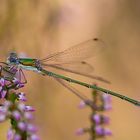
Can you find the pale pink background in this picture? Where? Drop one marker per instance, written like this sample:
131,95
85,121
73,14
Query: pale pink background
40,27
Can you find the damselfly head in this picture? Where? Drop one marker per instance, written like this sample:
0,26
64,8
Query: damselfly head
13,58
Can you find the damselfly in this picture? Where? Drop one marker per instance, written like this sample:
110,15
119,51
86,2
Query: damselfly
66,61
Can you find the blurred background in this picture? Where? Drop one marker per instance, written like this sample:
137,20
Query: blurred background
37,28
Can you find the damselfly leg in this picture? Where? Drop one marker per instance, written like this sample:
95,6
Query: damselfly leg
11,72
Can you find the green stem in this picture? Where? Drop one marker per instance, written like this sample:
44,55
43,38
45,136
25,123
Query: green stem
130,100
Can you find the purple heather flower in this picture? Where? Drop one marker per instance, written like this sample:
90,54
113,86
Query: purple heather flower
3,93
96,118
107,106
107,132
34,137
7,104
3,109
29,108
106,102
1,88
22,97
80,131
82,104
18,83
105,119
28,115
3,113
100,131
31,128
22,126
10,134
21,106
2,82
16,114
17,137
106,98
2,117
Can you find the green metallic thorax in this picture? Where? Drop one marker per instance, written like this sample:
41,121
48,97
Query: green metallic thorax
27,61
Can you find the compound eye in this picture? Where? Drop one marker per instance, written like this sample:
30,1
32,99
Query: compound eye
13,60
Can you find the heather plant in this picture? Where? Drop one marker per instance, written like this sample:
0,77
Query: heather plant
13,106
99,104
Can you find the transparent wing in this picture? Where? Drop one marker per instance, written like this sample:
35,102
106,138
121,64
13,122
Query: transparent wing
79,72
82,67
71,60
78,52
72,89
